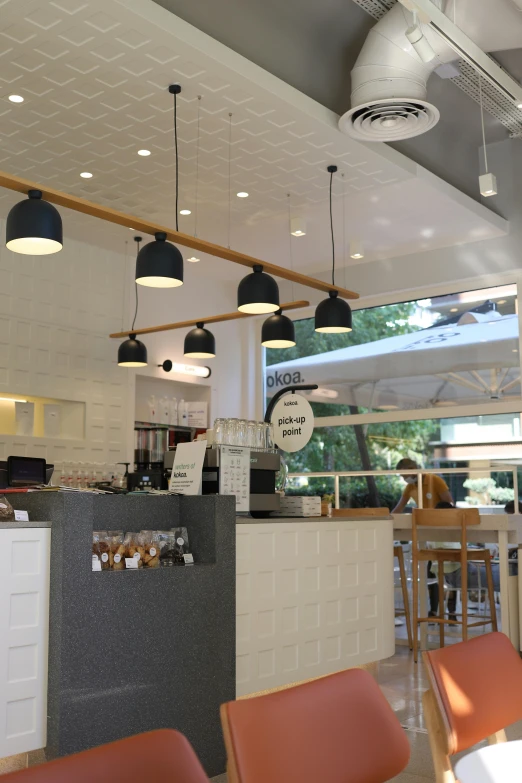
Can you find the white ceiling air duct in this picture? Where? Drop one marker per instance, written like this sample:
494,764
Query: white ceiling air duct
389,79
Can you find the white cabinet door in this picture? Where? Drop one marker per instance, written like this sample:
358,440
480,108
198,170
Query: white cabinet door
24,633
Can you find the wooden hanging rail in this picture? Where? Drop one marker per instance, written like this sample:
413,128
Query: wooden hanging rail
212,319
140,225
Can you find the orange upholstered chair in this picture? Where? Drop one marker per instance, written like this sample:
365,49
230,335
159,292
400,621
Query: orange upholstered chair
164,756
338,729
475,692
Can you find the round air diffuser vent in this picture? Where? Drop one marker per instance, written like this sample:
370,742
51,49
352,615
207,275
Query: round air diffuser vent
390,119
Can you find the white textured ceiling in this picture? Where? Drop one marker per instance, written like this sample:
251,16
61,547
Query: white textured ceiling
94,75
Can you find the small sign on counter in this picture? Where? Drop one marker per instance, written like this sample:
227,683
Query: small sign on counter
235,475
187,470
21,516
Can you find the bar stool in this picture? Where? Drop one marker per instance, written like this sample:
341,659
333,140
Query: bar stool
398,552
451,517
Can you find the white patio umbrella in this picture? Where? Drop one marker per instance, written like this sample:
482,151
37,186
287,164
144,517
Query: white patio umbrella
472,360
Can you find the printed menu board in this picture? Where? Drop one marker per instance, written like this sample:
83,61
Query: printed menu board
235,475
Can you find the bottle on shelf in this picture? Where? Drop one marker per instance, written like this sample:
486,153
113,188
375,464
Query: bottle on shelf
164,407
182,413
173,415
153,410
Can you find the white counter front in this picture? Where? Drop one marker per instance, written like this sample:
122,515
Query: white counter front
313,597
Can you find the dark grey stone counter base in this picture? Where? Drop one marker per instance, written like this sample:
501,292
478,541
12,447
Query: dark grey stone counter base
131,651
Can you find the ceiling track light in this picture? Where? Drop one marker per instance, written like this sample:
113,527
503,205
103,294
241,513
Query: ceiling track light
487,181
199,343
159,264
34,227
333,315
356,249
298,227
258,293
278,331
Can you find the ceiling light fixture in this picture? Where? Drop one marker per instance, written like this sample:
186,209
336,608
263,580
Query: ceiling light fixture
144,153
242,194
193,260
333,315
419,42
86,174
11,399
278,331
132,352
487,181
16,99
185,212
454,310
258,293
199,343
159,264
34,227
186,369
356,249
298,227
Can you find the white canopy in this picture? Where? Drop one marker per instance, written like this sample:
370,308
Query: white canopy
477,358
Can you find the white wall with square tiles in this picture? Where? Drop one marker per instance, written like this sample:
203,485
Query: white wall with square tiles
56,313
313,597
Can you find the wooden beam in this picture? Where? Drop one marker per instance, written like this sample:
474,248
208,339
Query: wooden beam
212,319
141,225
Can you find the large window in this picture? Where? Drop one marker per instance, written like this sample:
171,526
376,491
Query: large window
394,387
460,349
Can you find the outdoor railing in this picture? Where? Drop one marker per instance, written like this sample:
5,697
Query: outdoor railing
338,474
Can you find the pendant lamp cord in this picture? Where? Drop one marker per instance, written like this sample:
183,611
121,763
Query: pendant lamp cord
229,175
332,229
176,154
137,240
197,173
290,241
482,122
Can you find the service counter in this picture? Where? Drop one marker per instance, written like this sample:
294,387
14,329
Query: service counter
313,596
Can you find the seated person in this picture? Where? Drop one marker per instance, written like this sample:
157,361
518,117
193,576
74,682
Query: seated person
434,488
509,508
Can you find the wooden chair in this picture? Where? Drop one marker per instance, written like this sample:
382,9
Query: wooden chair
451,517
163,756
335,728
398,552
475,692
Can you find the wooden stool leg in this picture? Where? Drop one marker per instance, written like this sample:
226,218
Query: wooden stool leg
491,593
415,607
405,598
464,600
440,574
441,760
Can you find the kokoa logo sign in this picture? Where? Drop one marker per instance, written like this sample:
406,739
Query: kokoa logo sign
293,422
278,379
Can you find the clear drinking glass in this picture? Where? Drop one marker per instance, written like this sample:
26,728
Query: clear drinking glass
219,431
241,432
229,435
251,434
260,435
269,436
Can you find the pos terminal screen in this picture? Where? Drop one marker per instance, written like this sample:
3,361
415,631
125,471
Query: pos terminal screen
25,471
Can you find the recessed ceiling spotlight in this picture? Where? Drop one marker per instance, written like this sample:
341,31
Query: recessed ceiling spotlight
193,260
454,310
356,249
519,105
184,212
297,227
242,194
144,153
86,174
16,99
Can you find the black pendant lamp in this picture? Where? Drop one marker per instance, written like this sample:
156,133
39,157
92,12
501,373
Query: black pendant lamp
333,315
34,227
132,353
199,343
258,293
278,331
159,264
